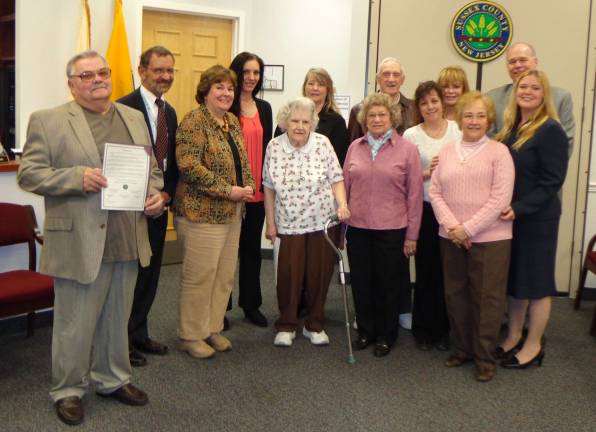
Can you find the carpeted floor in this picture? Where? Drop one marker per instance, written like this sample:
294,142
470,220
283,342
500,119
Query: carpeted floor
258,387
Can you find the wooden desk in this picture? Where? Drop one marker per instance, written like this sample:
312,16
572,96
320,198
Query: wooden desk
10,166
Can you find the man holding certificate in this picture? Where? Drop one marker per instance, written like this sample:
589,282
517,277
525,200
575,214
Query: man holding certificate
73,154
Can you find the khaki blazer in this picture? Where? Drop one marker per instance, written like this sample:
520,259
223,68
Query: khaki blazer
59,147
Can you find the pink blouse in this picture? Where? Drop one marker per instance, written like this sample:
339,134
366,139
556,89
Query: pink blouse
252,133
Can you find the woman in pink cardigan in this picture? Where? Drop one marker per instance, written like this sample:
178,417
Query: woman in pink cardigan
471,185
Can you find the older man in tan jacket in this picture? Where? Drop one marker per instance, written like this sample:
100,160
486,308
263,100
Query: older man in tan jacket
91,253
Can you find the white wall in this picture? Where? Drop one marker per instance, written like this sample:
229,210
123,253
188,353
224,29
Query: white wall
299,35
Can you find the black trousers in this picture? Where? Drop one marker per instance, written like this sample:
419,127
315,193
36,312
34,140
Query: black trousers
379,274
430,320
147,281
249,250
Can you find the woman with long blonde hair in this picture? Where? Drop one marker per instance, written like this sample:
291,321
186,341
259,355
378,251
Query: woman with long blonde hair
539,149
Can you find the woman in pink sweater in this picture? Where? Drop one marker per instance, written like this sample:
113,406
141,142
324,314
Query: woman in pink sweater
471,185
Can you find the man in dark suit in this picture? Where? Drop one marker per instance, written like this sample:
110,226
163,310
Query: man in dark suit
156,70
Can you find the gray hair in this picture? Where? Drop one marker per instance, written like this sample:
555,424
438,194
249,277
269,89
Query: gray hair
526,44
298,104
390,60
70,66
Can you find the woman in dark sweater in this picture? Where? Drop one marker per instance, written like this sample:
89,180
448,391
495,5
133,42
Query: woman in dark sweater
318,87
256,122
539,148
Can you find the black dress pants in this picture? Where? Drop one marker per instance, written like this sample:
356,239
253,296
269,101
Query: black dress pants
430,320
379,274
147,281
249,250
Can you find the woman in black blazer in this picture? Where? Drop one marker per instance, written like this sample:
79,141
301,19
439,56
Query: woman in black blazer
539,148
256,122
318,87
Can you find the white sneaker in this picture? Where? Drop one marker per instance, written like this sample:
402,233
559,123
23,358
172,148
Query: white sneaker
284,339
405,321
319,338
355,324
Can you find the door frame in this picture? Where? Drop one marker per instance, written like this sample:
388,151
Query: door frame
237,17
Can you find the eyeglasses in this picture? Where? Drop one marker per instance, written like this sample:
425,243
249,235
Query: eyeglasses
87,76
381,115
162,71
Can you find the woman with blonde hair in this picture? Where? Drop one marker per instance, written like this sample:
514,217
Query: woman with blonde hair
318,87
454,83
538,145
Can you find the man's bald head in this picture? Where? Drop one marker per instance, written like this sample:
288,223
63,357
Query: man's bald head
521,56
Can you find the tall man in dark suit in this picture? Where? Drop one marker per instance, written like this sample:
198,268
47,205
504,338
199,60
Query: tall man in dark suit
156,70
91,253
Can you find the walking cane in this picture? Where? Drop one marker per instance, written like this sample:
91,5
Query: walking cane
342,279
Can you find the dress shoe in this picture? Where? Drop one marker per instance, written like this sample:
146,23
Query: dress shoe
70,410
362,342
226,325
219,343
149,346
443,344
513,363
456,360
128,394
136,358
382,348
256,317
424,344
485,372
501,354
197,349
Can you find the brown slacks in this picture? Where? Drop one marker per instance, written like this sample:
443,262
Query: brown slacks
305,260
475,293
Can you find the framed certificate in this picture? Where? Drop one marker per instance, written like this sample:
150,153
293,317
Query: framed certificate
273,77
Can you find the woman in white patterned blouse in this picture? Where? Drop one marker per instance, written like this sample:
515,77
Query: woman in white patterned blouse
304,187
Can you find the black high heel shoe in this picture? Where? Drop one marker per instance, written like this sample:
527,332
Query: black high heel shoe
513,362
501,354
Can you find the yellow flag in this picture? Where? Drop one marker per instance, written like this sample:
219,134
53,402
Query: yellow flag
118,56
84,39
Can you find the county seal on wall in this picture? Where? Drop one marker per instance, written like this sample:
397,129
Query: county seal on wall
481,31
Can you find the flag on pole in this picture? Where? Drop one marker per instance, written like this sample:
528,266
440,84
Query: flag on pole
84,39
118,56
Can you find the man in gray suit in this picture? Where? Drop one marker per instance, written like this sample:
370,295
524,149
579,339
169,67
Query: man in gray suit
91,253
521,57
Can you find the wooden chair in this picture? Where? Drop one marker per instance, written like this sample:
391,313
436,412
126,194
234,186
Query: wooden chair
23,291
589,265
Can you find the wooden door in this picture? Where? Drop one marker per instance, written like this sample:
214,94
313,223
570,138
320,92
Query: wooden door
197,42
